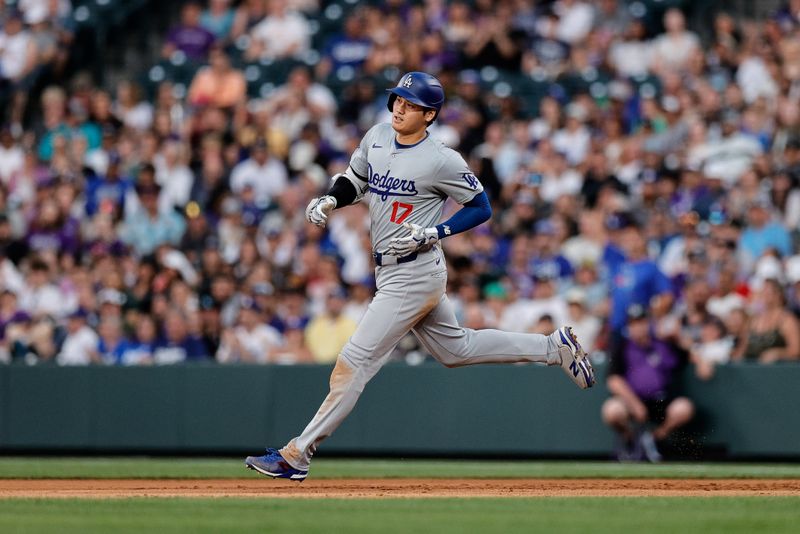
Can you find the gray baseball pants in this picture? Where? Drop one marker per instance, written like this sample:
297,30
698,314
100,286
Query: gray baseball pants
410,296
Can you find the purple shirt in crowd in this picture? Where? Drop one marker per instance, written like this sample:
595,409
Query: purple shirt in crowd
649,369
65,238
194,41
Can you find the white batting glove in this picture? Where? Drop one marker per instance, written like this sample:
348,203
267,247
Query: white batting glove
420,238
318,210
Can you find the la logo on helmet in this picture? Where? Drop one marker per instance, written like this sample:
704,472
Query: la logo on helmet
408,81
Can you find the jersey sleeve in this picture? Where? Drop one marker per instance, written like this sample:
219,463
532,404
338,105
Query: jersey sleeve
358,161
456,180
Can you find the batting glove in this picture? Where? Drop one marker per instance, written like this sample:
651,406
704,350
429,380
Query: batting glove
318,210
420,238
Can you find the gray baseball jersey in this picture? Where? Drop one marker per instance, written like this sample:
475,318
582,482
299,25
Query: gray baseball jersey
408,183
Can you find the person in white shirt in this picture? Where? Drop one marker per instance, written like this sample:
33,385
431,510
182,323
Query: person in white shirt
134,112
251,341
574,139
40,297
173,175
729,157
10,277
714,348
17,50
673,50
12,157
523,314
265,174
631,54
575,19
282,33
80,345
560,180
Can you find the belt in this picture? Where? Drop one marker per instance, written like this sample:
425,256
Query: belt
385,259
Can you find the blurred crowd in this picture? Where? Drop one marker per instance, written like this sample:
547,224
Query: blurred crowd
635,171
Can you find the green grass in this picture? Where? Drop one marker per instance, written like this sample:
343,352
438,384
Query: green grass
26,467
595,515
598,515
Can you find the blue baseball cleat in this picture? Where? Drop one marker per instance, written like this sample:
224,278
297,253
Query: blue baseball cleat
274,465
573,358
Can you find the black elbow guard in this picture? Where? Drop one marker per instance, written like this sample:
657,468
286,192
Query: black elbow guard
343,191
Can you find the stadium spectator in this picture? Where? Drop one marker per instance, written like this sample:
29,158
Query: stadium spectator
585,325
40,297
636,280
714,348
641,379
762,233
218,18
18,59
140,350
148,227
294,349
773,333
348,49
673,50
261,172
573,114
247,16
251,341
495,41
630,54
177,344
316,98
189,37
81,342
173,175
327,333
134,112
219,84
112,342
108,191
283,33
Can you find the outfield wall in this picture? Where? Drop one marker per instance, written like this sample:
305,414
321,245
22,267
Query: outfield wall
745,411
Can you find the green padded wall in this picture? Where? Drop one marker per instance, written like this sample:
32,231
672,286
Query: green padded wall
746,410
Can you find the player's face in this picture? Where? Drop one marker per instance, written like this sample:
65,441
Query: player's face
408,118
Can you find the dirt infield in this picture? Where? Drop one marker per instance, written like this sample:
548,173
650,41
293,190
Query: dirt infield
396,488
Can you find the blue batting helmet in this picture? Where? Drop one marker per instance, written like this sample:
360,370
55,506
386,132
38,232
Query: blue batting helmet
419,88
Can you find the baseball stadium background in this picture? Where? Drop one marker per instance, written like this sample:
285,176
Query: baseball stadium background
165,309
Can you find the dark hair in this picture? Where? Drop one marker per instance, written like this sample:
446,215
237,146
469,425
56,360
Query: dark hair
39,265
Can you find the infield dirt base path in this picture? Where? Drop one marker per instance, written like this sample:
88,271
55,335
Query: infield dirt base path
395,488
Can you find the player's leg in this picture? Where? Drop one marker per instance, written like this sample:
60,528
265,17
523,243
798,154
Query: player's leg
455,346
403,298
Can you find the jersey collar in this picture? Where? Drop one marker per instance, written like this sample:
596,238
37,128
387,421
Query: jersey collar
401,146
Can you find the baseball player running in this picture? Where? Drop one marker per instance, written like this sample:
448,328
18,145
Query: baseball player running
409,176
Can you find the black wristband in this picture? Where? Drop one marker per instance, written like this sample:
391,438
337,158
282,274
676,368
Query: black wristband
343,191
